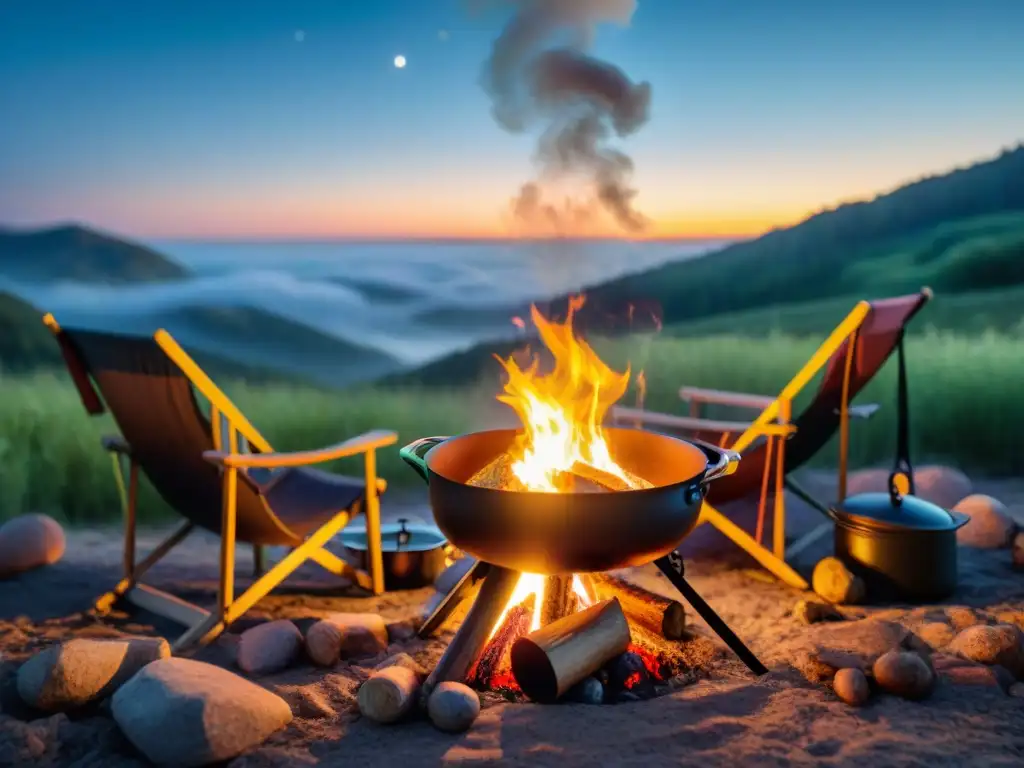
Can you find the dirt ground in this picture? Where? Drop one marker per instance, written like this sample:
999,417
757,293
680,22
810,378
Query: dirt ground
727,717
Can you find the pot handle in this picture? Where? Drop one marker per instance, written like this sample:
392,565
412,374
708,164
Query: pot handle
721,462
414,454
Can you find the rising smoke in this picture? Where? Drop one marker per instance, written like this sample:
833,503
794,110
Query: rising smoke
539,73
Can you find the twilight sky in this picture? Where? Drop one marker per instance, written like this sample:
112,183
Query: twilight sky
287,118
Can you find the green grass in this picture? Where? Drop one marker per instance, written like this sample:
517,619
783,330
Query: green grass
965,401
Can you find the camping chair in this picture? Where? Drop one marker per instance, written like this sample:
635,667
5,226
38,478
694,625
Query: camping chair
776,444
219,473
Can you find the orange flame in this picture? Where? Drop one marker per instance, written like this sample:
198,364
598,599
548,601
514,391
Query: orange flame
562,412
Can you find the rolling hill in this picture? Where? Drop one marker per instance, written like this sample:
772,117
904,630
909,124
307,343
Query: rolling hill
72,252
961,233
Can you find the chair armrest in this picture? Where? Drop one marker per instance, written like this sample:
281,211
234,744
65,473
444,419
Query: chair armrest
693,424
363,443
720,397
115,444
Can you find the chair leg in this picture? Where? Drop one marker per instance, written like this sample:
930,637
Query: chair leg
776,565
106,602
372,504
257,561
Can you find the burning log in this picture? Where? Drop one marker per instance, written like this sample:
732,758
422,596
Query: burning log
653,612
553,659
559,599
497,655
389,694
582,478
469,641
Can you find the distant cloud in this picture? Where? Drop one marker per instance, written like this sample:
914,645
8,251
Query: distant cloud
300,35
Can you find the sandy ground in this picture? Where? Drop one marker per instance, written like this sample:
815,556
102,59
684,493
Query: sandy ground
728,717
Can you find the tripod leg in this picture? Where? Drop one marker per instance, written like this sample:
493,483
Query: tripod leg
672,566
452,599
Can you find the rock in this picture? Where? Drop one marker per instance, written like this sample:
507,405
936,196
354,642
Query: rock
268,648
82,671
834,582
400,631
849,644
943,486
453,707
957,671
29,541
936,634
1016,690
627,672
1017,555
904,674
962,617
403,660
346,635
998,644
851,685
188,713
990,527
813,611
451,575
587,691
1016,618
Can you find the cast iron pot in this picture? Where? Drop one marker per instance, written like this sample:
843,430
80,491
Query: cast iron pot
902,546
414,555
553,533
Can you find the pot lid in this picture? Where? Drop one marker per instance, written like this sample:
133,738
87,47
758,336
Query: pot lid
401,536
884,510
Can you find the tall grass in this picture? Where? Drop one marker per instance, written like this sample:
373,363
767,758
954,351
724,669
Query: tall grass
966,402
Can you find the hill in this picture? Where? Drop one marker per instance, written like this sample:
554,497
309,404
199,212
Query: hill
259,338
25,343
75,253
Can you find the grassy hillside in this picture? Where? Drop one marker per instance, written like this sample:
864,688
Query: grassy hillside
75,253
25,343
50,457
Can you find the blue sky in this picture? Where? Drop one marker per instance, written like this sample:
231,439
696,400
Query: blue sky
213,118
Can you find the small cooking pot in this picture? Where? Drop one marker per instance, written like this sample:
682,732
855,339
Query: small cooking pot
414,555
903,547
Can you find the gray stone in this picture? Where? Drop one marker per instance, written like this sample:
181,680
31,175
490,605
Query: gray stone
998,644
904,674
453,707
990,527
587,691
268,648
944,486
81,671
851,686
29,541
187,713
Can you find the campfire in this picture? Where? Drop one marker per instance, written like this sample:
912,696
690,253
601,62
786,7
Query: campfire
550,508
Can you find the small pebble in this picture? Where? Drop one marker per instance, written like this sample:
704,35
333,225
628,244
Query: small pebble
1016,690
998,644
851,685
904,674
833,581
1017,554
452,707
587,691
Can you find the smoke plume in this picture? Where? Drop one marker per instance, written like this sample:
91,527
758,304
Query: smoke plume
540,73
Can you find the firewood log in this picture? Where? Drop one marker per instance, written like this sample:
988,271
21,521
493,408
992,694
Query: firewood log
389,694
654,612
550,661
341,635
465,648
559,599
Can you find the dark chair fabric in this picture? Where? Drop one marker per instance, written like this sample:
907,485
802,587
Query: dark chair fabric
155,407
878,337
